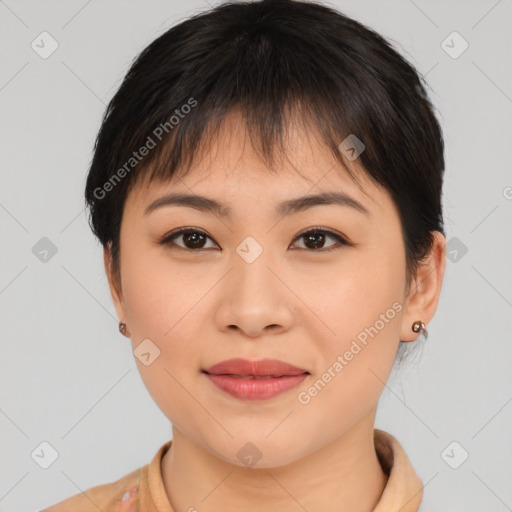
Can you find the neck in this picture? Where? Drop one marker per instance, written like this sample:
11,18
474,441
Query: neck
345,475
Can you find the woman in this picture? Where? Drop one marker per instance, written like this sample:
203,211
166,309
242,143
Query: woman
267,187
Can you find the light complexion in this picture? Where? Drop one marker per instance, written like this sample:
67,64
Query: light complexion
297,302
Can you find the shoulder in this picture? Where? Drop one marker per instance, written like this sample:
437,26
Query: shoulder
118,496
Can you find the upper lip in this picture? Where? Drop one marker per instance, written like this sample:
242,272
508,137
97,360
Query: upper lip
263,367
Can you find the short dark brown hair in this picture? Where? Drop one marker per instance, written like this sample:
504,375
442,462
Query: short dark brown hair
271,59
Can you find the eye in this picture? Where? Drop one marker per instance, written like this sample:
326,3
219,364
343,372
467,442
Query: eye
316,237
192,236
194,239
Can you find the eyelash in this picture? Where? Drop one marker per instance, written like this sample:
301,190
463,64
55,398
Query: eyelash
168,239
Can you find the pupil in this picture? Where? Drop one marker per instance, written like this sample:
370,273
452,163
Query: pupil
195,236
320,239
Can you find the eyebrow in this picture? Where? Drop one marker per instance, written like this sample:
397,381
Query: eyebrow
287,207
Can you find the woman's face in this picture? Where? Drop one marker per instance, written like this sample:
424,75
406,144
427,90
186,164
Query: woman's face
255,287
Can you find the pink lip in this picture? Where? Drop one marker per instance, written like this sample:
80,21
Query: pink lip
236,377
263,367
248,388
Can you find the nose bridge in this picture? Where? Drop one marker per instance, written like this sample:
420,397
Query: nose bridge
252,264
256,298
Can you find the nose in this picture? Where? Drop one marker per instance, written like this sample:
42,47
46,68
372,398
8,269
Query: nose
255,299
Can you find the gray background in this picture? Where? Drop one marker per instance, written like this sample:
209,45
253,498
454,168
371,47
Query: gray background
69,378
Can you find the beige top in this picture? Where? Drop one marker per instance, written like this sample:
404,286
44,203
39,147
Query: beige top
143,489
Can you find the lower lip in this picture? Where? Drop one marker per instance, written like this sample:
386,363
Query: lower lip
256,389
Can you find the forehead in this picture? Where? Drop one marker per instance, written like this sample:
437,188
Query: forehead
231,166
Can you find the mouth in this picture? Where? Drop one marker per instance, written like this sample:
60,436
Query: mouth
252,388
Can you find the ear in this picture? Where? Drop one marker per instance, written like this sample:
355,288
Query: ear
114,285
421,303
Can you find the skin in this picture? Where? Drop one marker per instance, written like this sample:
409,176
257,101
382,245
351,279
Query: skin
295,302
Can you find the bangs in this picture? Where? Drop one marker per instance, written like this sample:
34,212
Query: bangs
176,152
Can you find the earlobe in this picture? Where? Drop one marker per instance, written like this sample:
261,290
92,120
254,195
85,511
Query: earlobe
421,304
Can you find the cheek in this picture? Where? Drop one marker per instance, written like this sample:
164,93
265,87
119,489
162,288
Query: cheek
354,295
166,303
362,310
160,294
163,303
